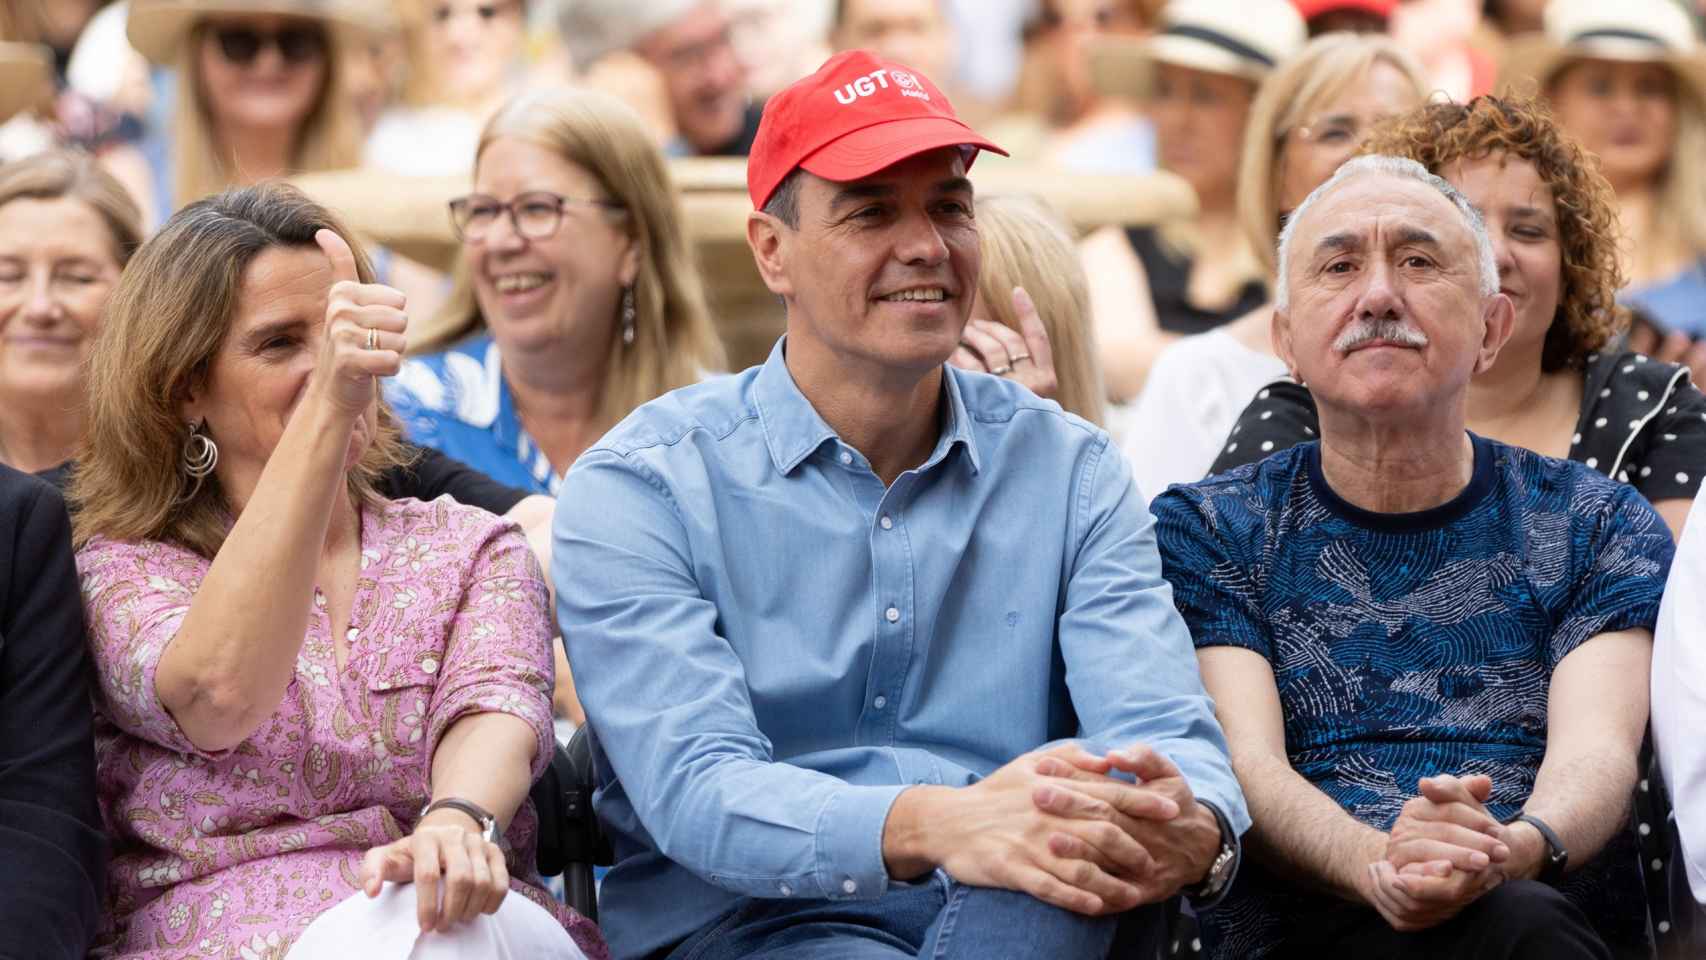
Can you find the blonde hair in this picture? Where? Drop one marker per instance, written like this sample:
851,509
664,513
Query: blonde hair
1679,223
329,138
674,342
74,175
1026,245
1323,69
164,327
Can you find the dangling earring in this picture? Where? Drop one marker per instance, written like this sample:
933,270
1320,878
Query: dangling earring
628,316
200,456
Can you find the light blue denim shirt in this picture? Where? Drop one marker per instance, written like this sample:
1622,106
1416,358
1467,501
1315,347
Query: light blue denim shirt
770,646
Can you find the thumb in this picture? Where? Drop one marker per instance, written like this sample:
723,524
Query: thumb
337,250
392,862
1480,786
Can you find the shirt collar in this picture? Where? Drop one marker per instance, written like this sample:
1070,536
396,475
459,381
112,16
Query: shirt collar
793,430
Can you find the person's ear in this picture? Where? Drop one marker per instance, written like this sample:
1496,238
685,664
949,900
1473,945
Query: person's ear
628,269
770,241
1279,334
1498,322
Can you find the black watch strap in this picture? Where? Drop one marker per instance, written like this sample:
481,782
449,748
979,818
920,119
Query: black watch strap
1224,867
488,824
1557,858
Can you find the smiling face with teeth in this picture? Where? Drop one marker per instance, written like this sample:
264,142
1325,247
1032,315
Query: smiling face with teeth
556,296
880,273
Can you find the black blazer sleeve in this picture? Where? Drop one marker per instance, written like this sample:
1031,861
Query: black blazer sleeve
432,474
52,848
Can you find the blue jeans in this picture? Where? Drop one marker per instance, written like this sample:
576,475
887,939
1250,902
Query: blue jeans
936,919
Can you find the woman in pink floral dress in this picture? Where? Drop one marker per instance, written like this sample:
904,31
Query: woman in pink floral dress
292,667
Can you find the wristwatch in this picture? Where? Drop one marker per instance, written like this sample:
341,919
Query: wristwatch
1224,867
1557,858
488,823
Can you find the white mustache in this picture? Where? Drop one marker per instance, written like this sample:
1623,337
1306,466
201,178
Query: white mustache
1368,330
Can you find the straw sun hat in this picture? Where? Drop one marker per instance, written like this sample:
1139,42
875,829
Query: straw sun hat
1634,31
158,28
1242,38
26,77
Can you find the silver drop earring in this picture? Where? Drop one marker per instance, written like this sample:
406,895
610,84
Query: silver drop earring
628,316
200,456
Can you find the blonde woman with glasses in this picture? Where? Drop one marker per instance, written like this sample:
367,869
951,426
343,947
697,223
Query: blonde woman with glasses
575,301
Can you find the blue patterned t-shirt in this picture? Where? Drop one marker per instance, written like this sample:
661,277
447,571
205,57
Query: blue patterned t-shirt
1408,645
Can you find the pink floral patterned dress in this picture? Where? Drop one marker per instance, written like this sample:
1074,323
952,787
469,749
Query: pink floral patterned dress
232,854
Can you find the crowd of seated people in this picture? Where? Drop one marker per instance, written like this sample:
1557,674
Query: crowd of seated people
969,621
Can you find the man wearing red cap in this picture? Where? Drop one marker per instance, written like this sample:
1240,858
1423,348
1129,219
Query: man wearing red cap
877,651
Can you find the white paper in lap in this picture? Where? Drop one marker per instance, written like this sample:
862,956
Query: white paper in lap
385,928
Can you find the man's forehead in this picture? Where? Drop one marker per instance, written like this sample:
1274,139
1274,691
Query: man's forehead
1376,202
933,167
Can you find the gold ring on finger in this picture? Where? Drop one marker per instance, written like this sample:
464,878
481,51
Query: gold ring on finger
1015,358
1002,370
372,339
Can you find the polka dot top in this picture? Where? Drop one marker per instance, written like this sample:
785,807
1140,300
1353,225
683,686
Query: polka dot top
1642,422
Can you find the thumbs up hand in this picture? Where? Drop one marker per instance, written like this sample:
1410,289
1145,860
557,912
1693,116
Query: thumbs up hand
365,332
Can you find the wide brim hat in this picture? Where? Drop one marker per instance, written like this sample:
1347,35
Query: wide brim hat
26,77
1240,38
1632,31
158,28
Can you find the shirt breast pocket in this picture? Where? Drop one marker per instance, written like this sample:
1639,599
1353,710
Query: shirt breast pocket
399,697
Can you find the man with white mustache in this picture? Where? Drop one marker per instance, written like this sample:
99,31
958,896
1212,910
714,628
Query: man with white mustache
1429,650
875,648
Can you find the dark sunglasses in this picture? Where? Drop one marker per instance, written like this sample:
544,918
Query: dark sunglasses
296,45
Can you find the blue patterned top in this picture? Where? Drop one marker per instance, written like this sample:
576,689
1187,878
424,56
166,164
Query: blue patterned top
1406,645
458,402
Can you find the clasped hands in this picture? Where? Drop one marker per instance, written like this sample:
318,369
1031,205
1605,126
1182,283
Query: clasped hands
1057,825
1443,852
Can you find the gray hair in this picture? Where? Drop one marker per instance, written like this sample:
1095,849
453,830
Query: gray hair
1487,266
593,28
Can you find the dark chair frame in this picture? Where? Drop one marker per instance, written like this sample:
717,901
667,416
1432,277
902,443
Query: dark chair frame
571,842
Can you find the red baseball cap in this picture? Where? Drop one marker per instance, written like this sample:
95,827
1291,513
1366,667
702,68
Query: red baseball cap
856,115
1310,9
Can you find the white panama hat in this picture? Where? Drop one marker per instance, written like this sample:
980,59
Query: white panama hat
158,28
1240,38
1632,31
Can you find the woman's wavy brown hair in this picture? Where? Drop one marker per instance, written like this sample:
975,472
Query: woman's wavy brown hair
1439,134
165,324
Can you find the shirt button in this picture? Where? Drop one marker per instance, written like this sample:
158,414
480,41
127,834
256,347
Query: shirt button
785,890
886,522
351,634
846,457
892,614
880,702
849,887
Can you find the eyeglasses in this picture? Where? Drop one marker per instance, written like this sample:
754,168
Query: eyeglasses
1338,130
296,45
535,215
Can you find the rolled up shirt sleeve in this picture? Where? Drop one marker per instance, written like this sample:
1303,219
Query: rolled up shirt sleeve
136,596
667,697
498,658
1130,662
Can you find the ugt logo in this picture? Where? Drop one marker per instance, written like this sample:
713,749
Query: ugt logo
869,84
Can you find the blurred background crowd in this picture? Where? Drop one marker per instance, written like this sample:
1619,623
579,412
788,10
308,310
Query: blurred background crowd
1164,141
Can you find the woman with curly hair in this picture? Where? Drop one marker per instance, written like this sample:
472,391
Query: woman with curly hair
1563,385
